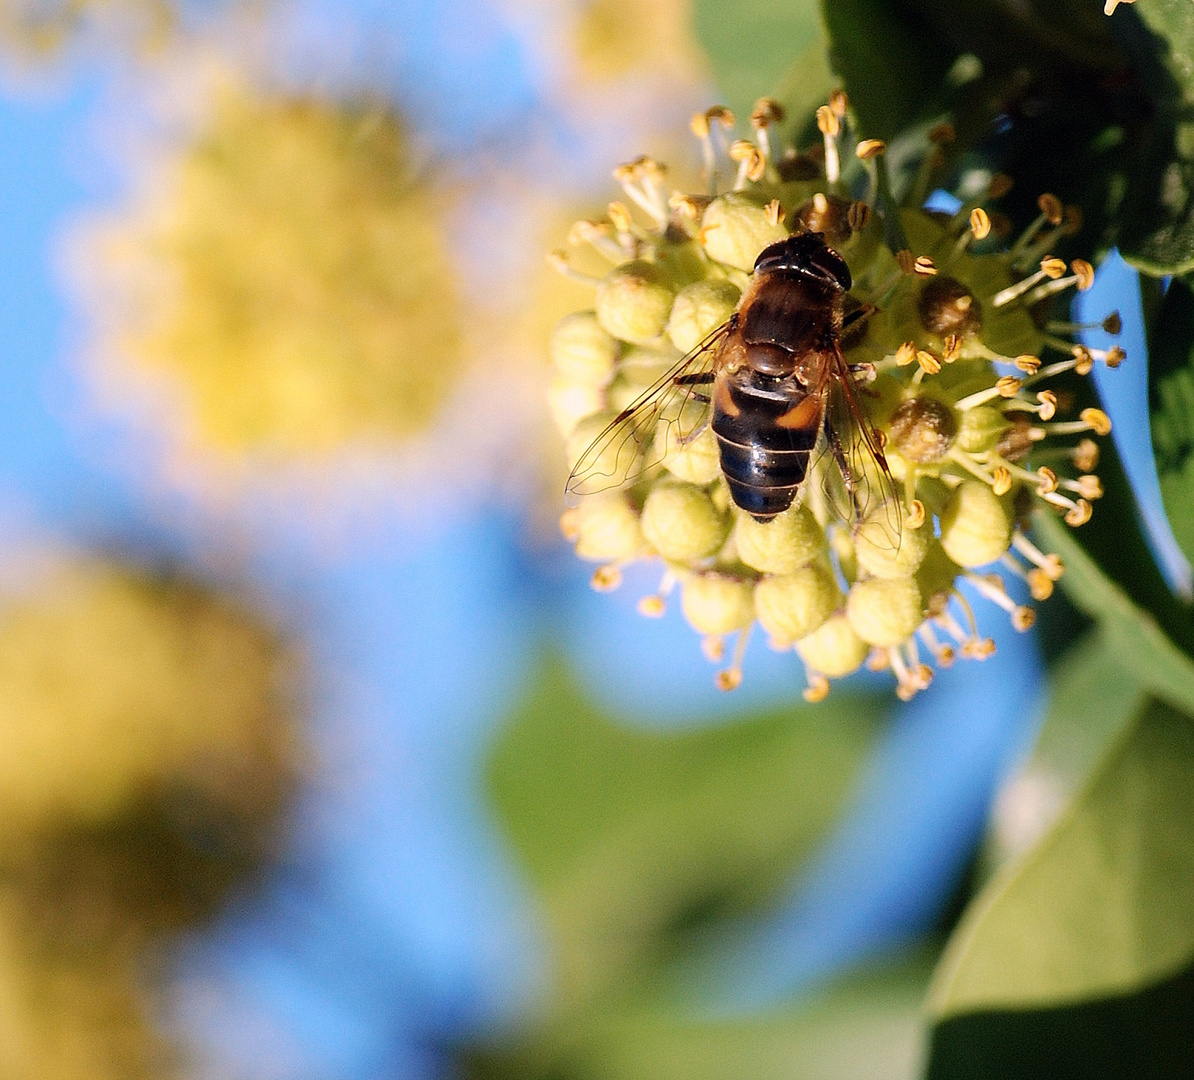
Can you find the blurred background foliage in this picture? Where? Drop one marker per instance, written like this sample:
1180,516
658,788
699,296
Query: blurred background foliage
403,798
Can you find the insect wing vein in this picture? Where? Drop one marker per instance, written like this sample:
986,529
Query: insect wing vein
666,417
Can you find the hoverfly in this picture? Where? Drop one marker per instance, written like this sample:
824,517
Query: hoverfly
775,387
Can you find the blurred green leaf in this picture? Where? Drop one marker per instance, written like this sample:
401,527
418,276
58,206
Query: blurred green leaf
891,61
1140,643
751,46
1102,905
637,837
867,1025
1171,406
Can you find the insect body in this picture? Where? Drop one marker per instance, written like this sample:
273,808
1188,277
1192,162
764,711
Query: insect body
775,383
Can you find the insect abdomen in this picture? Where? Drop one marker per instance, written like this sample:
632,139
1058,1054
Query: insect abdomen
763,460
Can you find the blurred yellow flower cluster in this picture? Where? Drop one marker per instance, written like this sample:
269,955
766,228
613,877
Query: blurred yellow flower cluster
149,748
295,278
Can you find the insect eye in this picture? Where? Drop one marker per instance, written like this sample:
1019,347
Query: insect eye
807,254
831,267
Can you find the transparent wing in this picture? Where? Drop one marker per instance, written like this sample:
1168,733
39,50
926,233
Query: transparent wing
855,476
663,419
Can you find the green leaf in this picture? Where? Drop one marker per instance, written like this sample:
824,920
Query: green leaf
1171,407
1158,210
751,46
1144,648
1103,905
635,836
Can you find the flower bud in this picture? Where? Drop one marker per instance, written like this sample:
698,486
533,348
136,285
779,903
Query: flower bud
607,528
980,429
975,529
888,551
833,649
681,522
634,301
582,351
781,545
571,402
947,307
616,459
885,611
697,463
717,603
792,606
736,228
923,429
699,309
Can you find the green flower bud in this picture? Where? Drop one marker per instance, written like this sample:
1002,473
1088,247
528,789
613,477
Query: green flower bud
634,301
889,552
736,228
975,529
717,603
700,309
582,351
885,611
792,606
781,545
613,465
936,574
833,649
681,522
980,429
607,528
698,462
571,402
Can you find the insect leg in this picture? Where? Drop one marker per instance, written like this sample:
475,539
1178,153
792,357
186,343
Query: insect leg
695,378
843,464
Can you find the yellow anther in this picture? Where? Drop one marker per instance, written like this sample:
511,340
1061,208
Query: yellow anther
1090,486
1028,363
570,525
905,354
929,364
980,223
1099,421
1052,209
1086,455
1048,401
1052,267
730,679
1040,585
1083,361
1008,386
1115,356
1084,272
652,607
1002,478
766,111
606,578
1048,483
619,215
924,266
774,212
916,514
827,121
857,216
1079,514
817,689
1022,618
839,103
952,348
713,647
870,148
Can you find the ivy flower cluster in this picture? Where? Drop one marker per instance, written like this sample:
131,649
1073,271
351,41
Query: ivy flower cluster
957,363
